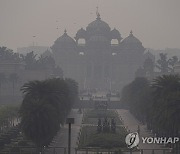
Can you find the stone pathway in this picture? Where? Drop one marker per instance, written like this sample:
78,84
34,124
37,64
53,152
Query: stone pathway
131,123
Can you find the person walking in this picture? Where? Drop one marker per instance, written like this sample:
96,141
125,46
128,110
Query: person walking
138,129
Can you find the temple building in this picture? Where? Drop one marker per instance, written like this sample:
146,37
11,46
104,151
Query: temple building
98,57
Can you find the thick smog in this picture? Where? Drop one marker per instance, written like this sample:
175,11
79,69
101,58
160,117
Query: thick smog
89,77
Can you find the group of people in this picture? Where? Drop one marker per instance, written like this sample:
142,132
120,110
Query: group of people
101,105
106,126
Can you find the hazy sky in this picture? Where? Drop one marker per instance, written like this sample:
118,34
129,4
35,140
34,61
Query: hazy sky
155,22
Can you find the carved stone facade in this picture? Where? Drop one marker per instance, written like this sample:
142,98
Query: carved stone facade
98,57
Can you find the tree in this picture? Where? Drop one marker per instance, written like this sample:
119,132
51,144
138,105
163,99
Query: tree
166,92
54,90
29,59
2,80
13,78
39,121
163,63
45,106
166,65
40,63
172,62
73,90
8,55
45,62
137,97
149,66
158,102
147,70
162,85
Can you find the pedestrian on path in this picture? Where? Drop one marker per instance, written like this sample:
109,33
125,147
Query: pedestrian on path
138,130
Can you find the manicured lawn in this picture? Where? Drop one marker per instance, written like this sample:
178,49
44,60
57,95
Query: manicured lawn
90,138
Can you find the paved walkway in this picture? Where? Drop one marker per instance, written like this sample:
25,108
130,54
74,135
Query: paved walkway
132,125
61,140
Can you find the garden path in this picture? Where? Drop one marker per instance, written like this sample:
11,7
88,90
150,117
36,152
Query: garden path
131,123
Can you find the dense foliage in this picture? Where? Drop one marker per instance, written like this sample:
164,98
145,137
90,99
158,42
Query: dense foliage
31,60
34,63
137,97
164,64
8,55
157,103
45,106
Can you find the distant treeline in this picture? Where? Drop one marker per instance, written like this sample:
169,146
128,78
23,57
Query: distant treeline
31,61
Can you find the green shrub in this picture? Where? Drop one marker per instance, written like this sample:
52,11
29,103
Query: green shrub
90,138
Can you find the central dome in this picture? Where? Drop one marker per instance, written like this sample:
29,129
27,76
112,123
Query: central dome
98,25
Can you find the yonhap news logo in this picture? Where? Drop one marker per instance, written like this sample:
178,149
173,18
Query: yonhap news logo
160,140
132,140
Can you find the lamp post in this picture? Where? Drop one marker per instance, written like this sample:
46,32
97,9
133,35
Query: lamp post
69,121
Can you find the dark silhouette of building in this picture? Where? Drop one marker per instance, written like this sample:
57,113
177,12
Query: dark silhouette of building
98,57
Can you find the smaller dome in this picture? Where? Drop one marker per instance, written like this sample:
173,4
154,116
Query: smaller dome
115,34
81,33
131,39
65,41
132,43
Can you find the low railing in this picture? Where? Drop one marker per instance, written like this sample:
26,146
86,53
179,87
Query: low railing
128,151
64,150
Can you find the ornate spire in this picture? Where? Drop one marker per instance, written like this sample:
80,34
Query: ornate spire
65,32
131,33
97,13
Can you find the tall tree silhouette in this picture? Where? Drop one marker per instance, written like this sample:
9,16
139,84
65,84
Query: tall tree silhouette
163,63
45,106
